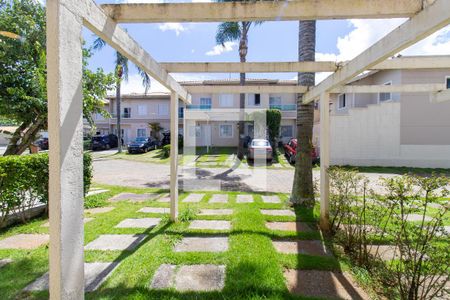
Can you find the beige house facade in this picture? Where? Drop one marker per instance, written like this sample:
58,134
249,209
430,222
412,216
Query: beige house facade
391,129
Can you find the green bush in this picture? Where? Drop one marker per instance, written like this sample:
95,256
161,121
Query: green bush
166,151
24,182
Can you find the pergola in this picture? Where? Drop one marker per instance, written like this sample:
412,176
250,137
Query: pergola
65,20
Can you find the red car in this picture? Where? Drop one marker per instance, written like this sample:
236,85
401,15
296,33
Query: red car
290,151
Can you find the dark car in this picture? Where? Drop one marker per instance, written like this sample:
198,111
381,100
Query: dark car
143,144
43,143
166,138
104,142
290,151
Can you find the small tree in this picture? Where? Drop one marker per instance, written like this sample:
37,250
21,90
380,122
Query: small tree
155,128
273,119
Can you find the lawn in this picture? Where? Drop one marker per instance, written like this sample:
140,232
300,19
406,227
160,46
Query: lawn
254,270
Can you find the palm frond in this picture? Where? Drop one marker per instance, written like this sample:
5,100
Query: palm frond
227,32
98,44
146,82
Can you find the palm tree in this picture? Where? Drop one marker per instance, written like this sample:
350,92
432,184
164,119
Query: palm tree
122,73
233,31
303,189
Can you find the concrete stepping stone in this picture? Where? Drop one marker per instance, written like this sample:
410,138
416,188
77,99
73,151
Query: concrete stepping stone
271,199
314,247
215,212
197,278
193,198
323,284
210,225
278,212
202,244
164,199
85,220
99,210
24,241
244,199
94,275
107,242
132,197
155,210
417,218
289,226
4,262
219,198
139,223
384,252
96,192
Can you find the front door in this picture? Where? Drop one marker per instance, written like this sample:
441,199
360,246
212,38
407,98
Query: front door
205,135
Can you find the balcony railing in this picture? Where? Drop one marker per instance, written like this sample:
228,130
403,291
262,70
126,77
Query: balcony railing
284,107
123,116
199,107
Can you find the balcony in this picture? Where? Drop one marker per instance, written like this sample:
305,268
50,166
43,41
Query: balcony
199,107
284,107
123,116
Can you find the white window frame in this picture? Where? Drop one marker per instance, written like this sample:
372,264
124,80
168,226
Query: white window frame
447,78
162,112
226,136
250,99
145,132
390,94
142,110
339,107
227,101
206,99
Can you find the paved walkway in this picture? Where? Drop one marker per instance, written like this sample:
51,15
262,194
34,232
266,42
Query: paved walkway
140,174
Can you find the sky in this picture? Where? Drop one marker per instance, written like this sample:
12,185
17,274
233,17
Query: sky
336,40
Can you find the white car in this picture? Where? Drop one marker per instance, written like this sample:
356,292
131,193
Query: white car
260,149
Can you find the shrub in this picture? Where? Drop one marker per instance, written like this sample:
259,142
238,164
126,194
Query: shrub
166,151
24,182
187,214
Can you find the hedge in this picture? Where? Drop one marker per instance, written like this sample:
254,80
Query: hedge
24,182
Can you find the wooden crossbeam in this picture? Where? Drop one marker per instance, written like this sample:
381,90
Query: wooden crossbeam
106,28
429,20
262,10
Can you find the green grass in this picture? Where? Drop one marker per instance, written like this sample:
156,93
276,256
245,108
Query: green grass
399,170
254,270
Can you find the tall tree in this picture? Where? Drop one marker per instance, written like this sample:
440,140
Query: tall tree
233,31
303,189
121,74
23,91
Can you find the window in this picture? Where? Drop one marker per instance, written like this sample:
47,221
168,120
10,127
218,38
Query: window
205,103
163,109
180,112
226,131
194,131
141,132
286,131
226,100
447,82
342,101
127,112
257,99
385,96
253,99
275,102
142,110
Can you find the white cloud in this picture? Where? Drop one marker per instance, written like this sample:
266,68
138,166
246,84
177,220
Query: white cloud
219,49
367,32
177,27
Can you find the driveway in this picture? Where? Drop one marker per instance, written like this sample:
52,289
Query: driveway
140,174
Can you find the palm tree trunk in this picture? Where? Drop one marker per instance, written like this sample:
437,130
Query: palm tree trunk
118,111
303,189
243,48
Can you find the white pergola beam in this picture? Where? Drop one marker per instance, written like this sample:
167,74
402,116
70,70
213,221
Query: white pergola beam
429,20
65,127
173,156
262,10
405,63
106,28
402,88
324,161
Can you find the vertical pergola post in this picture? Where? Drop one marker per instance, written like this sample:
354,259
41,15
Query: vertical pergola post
65,127
324,161
174,156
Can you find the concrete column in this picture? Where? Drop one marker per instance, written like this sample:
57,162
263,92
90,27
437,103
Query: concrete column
174,156
65,127
324,161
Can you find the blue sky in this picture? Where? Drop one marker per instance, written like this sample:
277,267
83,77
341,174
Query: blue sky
337,40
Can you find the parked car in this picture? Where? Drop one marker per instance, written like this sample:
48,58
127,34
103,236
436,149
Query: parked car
143,144
166,138
42,143
260,148
104,142
290,151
